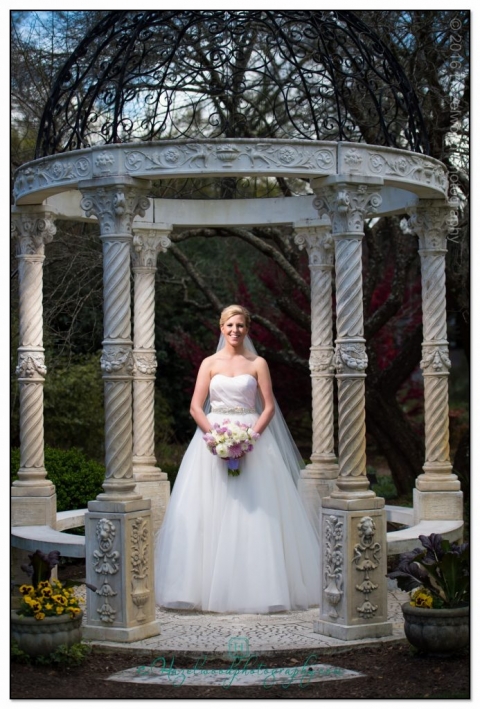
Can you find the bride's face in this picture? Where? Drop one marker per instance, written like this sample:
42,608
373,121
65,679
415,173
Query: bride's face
234,330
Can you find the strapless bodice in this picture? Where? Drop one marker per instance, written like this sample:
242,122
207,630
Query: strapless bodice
232,392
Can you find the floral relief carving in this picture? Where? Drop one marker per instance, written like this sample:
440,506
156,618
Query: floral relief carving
350,358
366,558
106,562
411,167
334,558
264,155
116,359
104,162
50,171
144,363
353,158
139,565
322,363
31,364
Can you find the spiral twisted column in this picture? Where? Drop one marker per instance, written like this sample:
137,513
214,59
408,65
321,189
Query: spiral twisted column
431,222
318,242
353,518
147,244
347,205
115,206
32,228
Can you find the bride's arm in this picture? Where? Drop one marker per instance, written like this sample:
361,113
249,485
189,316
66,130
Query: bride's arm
266,392
199,395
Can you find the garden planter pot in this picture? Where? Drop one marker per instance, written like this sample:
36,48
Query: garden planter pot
41,637
439,631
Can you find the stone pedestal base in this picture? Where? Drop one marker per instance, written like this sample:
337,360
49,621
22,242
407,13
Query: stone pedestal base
353,602
352,632
28,510
157,490
447,505
119,563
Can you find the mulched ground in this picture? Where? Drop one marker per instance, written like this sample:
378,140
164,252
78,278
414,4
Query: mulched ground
392,671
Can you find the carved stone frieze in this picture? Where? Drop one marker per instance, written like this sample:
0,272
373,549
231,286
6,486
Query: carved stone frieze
225,156
117,359
435,359
146,246
333,563
411,167
347,207
366,558
32,232
351,358
115,207
48,172
302,158
31,364
144,363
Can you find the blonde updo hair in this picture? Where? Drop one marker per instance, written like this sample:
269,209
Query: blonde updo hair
232,310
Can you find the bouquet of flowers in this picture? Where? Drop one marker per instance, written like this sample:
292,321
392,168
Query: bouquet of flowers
230,441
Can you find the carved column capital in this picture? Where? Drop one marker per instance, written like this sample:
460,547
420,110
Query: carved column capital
347,206
115,206
147,244
431,220
32,230
318,242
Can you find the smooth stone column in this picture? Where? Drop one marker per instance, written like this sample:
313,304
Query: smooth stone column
437,491
151,482
33,495
317,480
353,603
118,525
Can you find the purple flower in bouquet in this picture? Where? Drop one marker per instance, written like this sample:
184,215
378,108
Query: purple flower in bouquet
231,441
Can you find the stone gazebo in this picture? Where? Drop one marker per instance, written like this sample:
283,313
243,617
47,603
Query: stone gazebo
97,160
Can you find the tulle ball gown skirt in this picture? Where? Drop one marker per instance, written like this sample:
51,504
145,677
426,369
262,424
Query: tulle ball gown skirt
236,544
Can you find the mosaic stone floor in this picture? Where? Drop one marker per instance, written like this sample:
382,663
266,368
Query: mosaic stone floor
190,633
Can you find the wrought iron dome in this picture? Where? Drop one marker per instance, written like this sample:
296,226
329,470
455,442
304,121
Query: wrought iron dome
153,75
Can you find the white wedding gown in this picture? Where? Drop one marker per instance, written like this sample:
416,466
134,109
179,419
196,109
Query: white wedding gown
236,544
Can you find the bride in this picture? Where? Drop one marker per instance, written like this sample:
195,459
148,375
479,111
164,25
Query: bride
239,544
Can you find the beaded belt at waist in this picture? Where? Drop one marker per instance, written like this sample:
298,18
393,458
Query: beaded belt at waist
237,410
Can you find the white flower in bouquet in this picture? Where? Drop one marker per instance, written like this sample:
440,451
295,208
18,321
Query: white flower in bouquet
231,441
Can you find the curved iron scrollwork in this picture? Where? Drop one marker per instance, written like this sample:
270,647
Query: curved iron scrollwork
231,74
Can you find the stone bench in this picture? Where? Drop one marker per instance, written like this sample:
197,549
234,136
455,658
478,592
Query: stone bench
47,539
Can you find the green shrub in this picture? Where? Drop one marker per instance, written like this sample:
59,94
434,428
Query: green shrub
65,657
76,478
385,487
